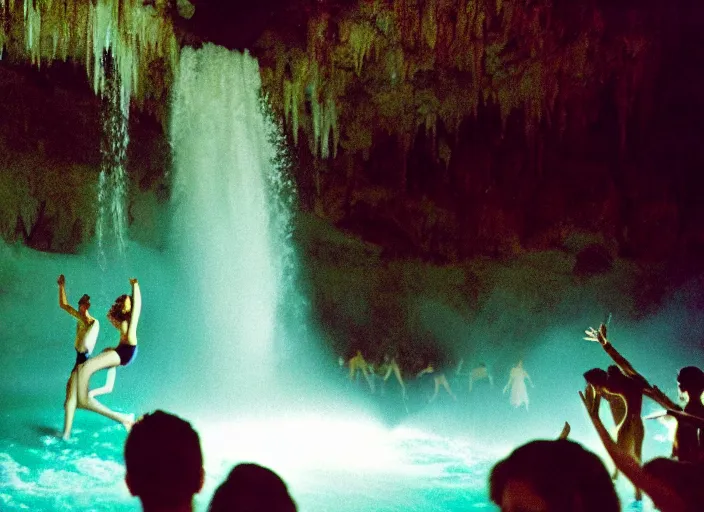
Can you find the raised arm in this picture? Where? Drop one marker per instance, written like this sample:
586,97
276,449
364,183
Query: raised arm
600,337
136,310
63,301
427,369
663,496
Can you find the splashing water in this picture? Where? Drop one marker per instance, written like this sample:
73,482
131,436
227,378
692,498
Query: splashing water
231,229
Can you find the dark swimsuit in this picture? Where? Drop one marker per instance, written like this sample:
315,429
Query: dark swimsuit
126,352
81,357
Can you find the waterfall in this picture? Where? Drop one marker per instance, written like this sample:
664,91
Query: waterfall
112,183
231,214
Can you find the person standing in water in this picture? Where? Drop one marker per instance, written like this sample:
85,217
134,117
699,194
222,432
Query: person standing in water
87,328
358,364
517,383
439,379
124,316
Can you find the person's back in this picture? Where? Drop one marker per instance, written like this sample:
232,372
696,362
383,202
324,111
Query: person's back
252,488
552,476
164,463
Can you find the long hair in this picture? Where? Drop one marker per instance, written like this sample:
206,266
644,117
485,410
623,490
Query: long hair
117,310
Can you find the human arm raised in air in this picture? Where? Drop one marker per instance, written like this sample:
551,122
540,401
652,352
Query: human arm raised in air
664,497
599,336
63,301
136,311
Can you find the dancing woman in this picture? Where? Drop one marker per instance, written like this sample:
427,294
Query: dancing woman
124,316
614,385
517,383
87,328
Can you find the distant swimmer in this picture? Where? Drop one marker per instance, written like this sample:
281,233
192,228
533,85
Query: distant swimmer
357,365
87,328
124,316
390,366
517,383
439,379
481,372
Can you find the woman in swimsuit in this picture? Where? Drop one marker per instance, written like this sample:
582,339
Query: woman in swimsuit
124,315
87,328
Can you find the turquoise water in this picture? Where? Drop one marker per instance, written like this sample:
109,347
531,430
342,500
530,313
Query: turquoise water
330,461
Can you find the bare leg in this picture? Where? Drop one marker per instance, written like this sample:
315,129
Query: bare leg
446,385
399,378
369,380
106,360
437,389
109,384
70,404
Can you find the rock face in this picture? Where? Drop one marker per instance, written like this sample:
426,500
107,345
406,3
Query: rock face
430,135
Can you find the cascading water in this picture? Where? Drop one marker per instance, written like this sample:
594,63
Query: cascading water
112,185
231,230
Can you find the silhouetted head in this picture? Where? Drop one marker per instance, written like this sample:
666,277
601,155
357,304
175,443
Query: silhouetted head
552,476
121,310
252,488
596,377
84,303
690,379
684,478
164,462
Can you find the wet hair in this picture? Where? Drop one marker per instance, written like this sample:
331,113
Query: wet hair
690,378
561,472
596,377
252,488
85,300
116,311
164,460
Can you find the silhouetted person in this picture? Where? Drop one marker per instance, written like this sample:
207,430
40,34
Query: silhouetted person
612,385
390,366
252,488
164,463
481,372
689,438
653,392
682,479
439,379
552,476
358,364
651,478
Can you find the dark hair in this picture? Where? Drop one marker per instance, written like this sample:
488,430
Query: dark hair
596,377
252,488
84,300
116,309
561,472
690,378
164,460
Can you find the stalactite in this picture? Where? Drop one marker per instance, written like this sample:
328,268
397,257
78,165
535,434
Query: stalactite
429,25
387,45
84,30
361,39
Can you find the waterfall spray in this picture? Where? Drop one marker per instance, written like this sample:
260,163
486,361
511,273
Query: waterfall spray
232,221
112,185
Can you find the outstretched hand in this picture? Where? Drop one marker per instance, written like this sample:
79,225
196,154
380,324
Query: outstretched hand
596,335
61,281
133,281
